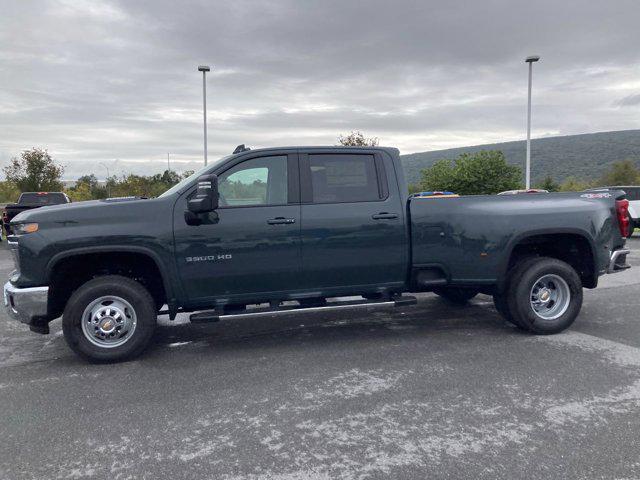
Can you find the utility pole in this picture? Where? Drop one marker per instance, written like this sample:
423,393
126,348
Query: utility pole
107,182
168,164
530,60
204,69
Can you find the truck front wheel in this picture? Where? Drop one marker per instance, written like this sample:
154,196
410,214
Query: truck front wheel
109,319
456,295
544,295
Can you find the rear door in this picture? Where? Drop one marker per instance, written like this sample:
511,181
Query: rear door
352,220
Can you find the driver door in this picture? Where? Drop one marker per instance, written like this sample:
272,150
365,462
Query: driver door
250,246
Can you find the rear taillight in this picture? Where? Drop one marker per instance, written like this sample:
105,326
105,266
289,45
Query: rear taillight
622,210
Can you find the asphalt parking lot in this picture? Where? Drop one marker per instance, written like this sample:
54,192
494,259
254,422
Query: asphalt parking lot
428,391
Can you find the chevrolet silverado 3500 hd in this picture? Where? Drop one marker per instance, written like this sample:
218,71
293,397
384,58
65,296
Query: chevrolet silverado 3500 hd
293,227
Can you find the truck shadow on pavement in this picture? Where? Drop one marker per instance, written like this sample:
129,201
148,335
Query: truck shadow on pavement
431,316
344,329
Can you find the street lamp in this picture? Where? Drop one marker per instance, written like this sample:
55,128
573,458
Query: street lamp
107,182
204,69
530,60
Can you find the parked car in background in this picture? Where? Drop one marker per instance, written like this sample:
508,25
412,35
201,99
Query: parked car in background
29,201
272,231
633,195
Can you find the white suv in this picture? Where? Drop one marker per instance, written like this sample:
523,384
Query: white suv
633,195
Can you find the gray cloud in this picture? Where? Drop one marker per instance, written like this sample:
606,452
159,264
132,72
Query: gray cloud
100,81
629,100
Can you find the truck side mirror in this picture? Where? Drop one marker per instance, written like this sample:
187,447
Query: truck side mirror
206,197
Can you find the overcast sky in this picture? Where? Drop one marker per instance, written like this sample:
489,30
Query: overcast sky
117,81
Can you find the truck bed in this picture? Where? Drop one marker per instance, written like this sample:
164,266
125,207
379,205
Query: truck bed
467,239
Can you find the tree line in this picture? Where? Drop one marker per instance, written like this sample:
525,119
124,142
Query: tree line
484,172
487,172
36,171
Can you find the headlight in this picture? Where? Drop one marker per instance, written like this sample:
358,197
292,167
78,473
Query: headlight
22,228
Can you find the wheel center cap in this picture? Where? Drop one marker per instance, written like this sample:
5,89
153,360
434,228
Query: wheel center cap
107,325
544,295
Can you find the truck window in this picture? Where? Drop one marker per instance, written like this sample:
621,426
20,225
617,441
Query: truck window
339,178
259,181
42,198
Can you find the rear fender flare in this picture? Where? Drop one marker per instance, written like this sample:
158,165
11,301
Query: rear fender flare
504,266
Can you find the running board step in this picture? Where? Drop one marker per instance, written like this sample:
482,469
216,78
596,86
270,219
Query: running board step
214,316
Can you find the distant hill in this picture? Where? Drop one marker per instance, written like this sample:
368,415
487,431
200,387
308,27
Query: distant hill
581,156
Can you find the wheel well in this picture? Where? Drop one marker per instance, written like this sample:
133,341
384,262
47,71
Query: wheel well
70,273
571,248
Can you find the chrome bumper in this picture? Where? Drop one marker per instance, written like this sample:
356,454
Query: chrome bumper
25,304
618,260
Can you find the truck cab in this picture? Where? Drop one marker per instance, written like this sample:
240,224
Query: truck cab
287,225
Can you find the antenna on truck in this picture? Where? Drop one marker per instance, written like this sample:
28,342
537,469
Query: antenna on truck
241,148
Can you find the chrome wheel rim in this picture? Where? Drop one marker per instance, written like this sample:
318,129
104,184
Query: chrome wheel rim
550,297
109,321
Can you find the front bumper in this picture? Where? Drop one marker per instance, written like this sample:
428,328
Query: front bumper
618,261
27,305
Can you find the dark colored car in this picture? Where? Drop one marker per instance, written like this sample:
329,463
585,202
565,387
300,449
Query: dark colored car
273,231
29,201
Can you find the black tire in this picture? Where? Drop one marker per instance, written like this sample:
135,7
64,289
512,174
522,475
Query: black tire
457,295
500,299
129,290
519,295
502,306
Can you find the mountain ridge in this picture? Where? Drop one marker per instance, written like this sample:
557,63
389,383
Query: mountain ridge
584,156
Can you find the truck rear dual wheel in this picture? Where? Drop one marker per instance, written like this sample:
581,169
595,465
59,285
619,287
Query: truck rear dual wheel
543,295
109,319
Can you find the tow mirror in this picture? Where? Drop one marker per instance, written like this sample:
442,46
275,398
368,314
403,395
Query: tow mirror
206,197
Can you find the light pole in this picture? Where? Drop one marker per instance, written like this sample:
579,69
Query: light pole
530,60
107,182
204,69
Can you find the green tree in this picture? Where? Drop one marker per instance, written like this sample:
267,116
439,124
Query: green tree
484,172
9,193
572,184
624,172
414,188
90,180
549,184
141,185
34,171
87,183
80,192
357,139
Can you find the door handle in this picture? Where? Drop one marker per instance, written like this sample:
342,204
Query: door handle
384,216
281,221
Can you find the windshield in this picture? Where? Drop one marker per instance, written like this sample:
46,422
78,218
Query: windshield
42,198
183,183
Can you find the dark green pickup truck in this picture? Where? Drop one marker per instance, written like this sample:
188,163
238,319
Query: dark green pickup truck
281,230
